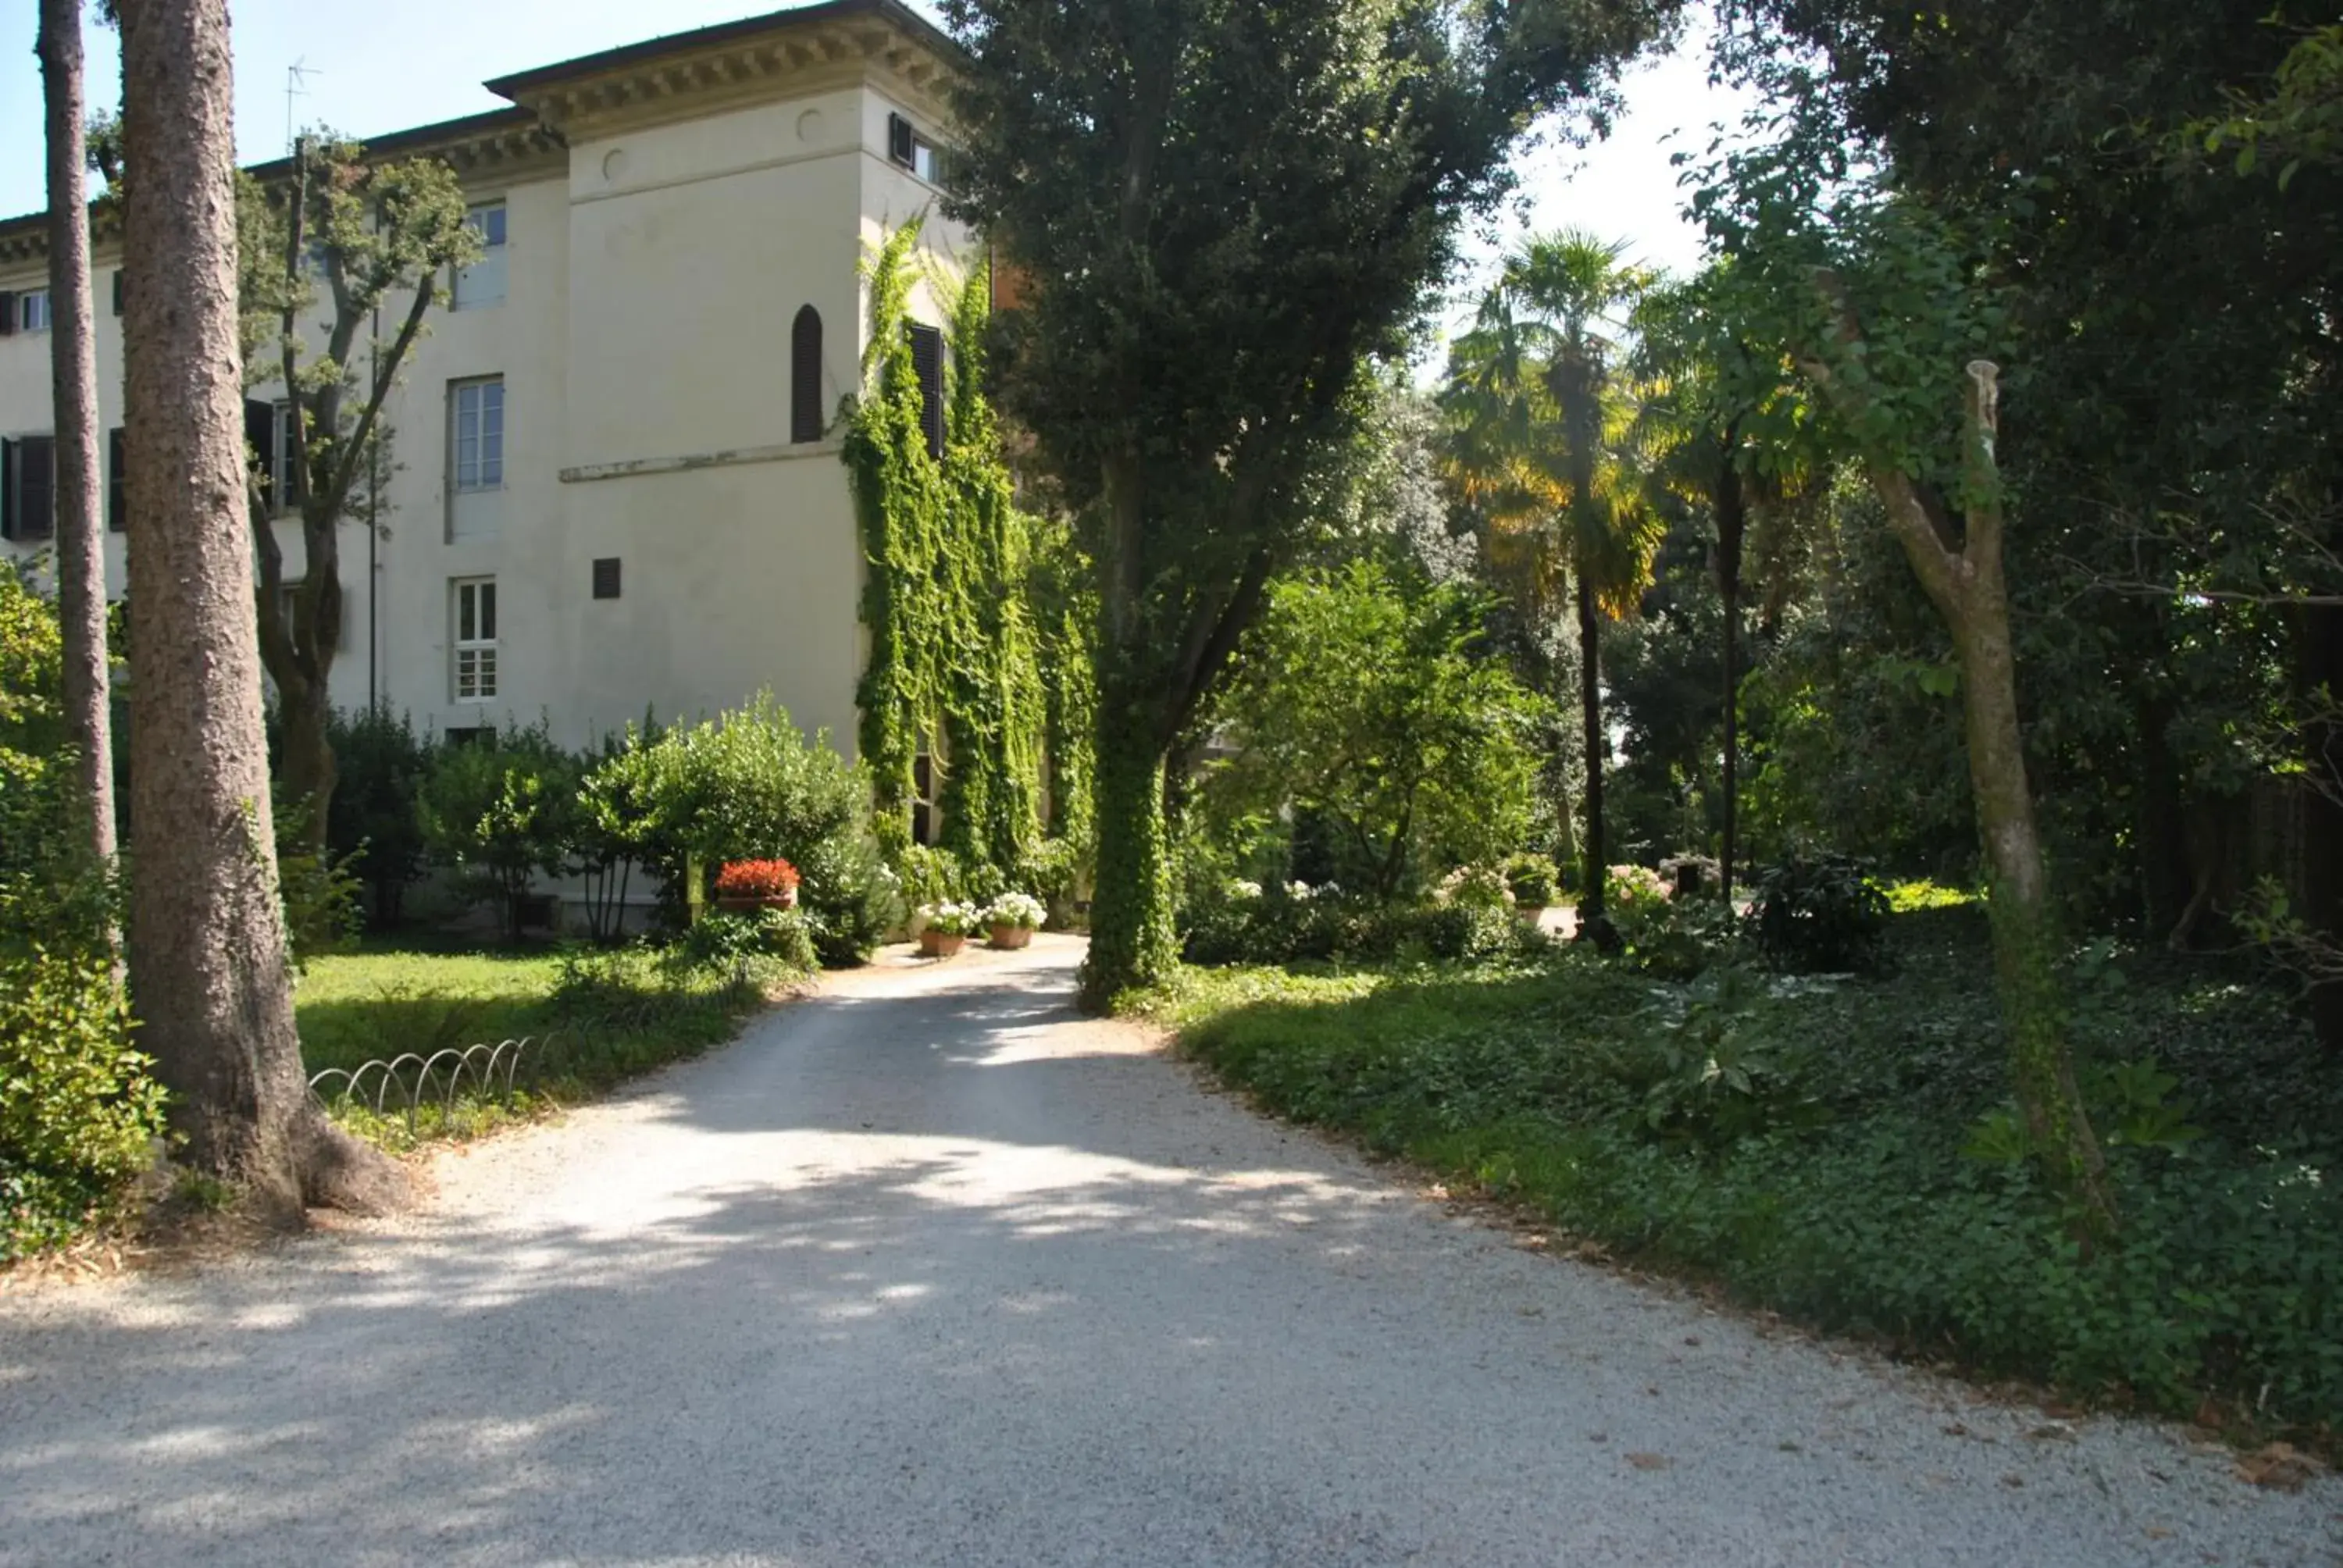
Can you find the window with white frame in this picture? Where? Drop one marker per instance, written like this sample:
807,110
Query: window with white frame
483,281
474,613
33,310
477,443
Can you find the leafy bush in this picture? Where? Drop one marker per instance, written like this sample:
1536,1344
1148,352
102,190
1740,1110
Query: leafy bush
1055,872
1371,713
78,1111
1676,938
763,945
1532,880
322,894
929,875
372,827
1818,914
499,812
747,786
1278,926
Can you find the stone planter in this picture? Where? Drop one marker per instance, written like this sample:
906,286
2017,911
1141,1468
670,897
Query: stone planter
939,944
1011,938
1533,914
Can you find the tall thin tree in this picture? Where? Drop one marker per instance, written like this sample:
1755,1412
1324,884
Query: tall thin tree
72,369
208,961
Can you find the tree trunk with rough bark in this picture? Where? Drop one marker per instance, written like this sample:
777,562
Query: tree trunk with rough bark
73,370
210,972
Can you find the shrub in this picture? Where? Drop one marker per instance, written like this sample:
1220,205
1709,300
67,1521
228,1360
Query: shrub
324,910
1020,911
1818,914
929,875
749,946
372,827
1532,880
499,812
756,879
1676,938
78,1112
1054,869
747,786
1626,886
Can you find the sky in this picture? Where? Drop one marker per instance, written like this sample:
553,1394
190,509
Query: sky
371,69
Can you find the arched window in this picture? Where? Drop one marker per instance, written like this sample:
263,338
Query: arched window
805,376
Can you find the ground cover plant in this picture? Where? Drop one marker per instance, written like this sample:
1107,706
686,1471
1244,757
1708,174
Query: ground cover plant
1844,1149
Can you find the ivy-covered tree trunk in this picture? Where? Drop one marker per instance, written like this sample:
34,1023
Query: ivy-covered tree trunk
1964,579
1133,942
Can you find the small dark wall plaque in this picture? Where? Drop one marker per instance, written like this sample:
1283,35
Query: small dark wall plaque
605,578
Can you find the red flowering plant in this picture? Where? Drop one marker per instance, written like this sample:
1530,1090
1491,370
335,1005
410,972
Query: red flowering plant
756,879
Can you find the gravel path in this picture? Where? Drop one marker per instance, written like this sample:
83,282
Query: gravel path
929,1270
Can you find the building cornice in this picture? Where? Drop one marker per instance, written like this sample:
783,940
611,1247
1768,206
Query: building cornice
502,142
779,55
782,55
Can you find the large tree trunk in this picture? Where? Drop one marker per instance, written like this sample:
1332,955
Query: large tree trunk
209,968
1593,921
72,369
1731,525
1965,584
1133,942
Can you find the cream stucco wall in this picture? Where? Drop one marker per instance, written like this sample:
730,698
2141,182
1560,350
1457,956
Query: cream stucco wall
644,344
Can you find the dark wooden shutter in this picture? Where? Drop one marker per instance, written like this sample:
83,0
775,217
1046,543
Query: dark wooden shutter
117,291
927,360
260,431
117,482
7,312
37,488
606,577
805,376
901,144
8,490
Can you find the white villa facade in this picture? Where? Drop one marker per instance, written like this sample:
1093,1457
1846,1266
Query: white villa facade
617,484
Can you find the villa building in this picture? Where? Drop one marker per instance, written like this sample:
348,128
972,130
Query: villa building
614,477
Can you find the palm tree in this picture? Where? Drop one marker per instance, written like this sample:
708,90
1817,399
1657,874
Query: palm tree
1540,420
1718,426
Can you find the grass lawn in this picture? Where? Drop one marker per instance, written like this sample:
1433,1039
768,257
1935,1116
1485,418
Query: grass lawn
610,1016
1809,1146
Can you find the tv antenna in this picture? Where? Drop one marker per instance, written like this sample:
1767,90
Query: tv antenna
297,85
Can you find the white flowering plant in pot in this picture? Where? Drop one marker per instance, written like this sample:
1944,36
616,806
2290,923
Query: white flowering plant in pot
1016,911
952,919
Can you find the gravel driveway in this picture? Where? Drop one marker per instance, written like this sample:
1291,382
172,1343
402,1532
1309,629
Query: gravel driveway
929,1270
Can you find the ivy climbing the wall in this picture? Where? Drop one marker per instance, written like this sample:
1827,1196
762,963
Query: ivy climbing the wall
979,660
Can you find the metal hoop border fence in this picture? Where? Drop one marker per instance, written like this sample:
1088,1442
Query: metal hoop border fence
440,1075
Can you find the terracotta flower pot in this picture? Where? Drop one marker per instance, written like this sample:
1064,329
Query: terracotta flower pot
1011,937
788,900
939,944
